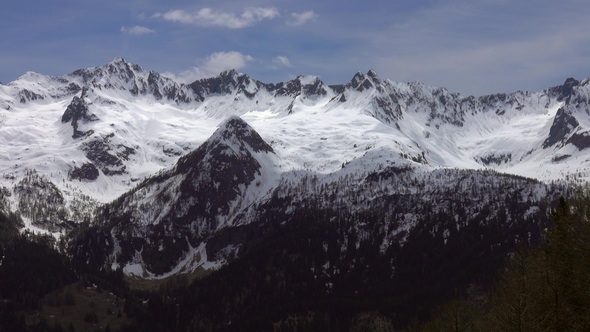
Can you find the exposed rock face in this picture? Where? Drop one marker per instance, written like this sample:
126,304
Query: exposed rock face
564,124
564,92
106,155
497,159
225,82
78,113
189,202
232,82
26,95
86,172
360,82
580,140
153,121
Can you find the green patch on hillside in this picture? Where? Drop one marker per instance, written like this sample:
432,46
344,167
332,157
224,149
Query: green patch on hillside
81,308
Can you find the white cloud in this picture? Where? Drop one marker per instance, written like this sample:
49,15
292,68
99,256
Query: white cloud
282,60
137,30
300,18
208,17
220,61
213,65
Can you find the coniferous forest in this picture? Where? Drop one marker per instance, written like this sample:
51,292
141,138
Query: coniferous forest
541,288
316,272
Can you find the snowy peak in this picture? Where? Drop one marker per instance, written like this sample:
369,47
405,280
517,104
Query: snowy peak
233,83
361,82
203,193
237,131
129,123
117,74
161,87
120,76
227,82
233,139
302,85
135,132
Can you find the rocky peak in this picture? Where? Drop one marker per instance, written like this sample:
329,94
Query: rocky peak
305,85
120,68
236,129
119,64
117,74
567,88
312,86
224,83
234,137
76,112
118,59
153,78
563,125
205,188
372,74
563,92
361,82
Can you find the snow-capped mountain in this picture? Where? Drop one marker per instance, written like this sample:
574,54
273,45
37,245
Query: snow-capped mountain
189,160
173,212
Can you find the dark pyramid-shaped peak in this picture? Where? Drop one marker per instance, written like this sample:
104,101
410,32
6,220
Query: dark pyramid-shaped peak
235,129
234,137
570,82
209,182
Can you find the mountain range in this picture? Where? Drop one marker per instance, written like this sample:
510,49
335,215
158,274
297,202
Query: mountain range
175,177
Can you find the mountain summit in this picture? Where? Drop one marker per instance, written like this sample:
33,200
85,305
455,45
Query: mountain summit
97,133
202,194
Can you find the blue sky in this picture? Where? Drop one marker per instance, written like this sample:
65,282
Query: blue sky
472,47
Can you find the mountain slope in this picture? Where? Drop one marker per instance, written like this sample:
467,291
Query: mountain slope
171,216
364,197
220,197
97,132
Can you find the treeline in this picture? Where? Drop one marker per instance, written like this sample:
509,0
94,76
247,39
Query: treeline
31,267
316,258
323,270
544,288
315,262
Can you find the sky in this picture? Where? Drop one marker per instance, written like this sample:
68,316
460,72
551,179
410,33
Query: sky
474,47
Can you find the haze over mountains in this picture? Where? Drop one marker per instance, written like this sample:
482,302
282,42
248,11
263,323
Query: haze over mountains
179,172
